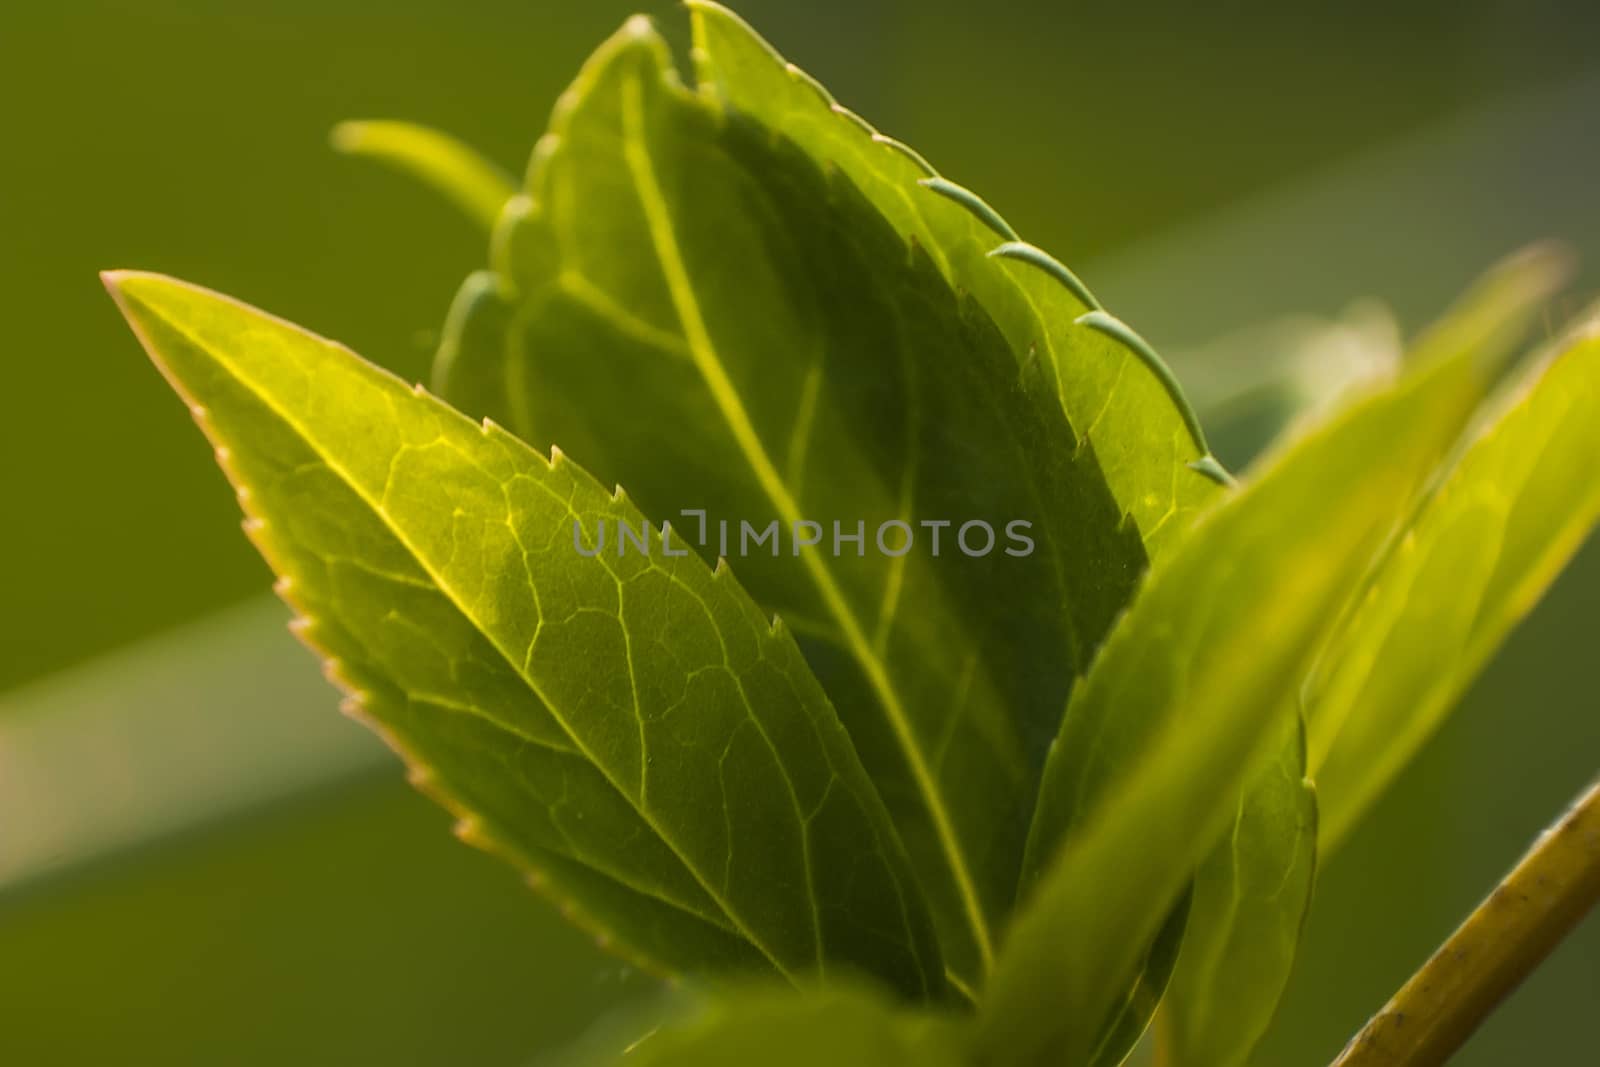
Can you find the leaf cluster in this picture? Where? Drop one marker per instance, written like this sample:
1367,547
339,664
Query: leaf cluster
968,807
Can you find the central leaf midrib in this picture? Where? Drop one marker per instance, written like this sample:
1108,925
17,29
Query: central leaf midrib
658,221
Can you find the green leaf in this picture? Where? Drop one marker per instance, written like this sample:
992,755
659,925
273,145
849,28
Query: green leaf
1248,906
1116,391
1188,696
117,720
692,305
629,730
475,185
848,1027
1252,892
1513,508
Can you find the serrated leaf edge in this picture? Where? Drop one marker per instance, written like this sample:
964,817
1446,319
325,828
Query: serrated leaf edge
1208,465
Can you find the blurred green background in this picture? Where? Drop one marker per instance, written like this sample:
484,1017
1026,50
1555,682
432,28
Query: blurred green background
200,862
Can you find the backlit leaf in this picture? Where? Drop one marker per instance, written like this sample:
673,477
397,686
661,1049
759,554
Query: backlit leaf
695,305
1247,909
1117,393
479,188
1189,695
1252,892
1514,507
630,730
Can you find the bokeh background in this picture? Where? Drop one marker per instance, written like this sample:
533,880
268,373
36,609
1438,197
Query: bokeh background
201,862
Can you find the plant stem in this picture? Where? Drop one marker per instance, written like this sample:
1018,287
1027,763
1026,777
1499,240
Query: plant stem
1526,916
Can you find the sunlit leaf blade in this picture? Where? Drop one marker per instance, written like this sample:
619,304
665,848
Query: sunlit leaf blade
630,730
702,312
1247,909
1115,391
839,1027
475,185
1510,512
1190,691
1251,892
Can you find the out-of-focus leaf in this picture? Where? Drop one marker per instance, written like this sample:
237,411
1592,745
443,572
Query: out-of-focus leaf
475,185
1249,383
846,1027
1248,906
142,726
1117,393
1252,892
1510,512
629,729
696,306
1189,693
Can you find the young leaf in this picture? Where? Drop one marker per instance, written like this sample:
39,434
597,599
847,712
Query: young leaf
1252,892
630,730
479,323
478,187
701,310
1115,390
1511,511
840,1027
1196,680
1247,908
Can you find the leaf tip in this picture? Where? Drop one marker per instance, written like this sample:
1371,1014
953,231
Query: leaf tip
119,284
1553,262
124,284
347,137
638,28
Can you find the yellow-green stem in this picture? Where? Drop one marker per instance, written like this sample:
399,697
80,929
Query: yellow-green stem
1526,916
